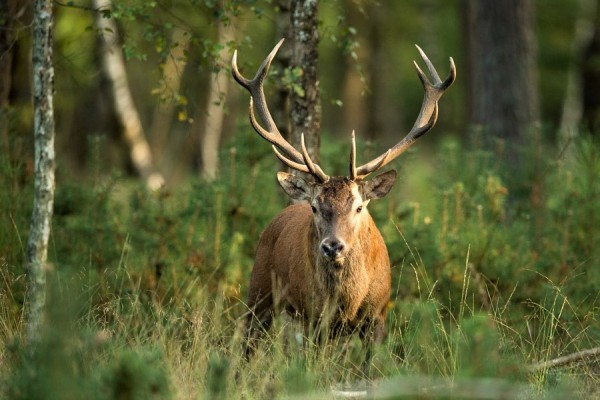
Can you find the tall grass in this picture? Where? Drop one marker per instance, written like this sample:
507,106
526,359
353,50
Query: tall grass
493,272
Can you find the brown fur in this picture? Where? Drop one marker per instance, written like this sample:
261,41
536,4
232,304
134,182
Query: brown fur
326,261
291,273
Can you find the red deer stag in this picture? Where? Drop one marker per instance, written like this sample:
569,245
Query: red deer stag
323,259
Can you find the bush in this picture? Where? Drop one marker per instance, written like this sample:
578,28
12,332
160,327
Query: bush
492,271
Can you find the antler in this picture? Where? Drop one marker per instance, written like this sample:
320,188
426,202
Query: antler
292,158
307,166
425,121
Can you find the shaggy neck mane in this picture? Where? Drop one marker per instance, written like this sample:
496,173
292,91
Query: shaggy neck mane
340,282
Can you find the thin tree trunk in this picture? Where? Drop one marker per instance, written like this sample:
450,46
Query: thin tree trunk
114,67
466,31
377,108
306,108
172,72
41,218
215,110
354,104
7,42
590,77
572,107
354,88
365,109
281,100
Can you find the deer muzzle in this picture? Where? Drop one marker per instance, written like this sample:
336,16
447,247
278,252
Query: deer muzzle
333,247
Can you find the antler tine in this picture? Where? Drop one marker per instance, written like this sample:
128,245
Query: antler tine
314,168
255,87
292,158
309,167
430,67
427,115
432,71
290,163
353,158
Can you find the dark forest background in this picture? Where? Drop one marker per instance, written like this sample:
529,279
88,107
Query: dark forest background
520,65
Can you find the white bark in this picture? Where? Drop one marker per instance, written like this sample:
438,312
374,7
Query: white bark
41,218
113,64
215,111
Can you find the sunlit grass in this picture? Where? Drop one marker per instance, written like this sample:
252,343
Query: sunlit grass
147,291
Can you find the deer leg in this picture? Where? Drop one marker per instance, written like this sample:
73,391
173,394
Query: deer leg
371,334
367,339
258,322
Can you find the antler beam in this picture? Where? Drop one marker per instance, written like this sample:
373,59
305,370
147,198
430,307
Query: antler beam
291,157
425,121
301,161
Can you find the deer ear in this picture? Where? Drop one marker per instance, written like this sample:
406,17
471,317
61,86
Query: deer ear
379,186
295,187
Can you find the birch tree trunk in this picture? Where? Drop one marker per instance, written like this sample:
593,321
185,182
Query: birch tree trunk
218,88
41,218
113,65
306,107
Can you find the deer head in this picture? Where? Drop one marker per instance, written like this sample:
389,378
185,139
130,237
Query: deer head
338,203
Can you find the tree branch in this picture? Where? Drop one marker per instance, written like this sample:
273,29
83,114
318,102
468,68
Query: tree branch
583,355
70,4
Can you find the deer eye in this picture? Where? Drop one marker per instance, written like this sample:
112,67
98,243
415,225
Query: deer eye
359,209
314,209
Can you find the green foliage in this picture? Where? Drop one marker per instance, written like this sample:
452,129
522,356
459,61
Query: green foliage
217,377
138,376
72,361
291,80
478,352
494,269
492,272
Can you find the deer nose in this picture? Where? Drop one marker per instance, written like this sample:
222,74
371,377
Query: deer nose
332,247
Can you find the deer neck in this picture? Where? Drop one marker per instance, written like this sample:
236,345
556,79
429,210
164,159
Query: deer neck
340,283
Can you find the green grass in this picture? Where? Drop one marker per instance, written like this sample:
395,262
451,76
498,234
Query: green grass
493,272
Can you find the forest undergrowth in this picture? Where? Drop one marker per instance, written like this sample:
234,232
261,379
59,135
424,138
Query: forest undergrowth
495,274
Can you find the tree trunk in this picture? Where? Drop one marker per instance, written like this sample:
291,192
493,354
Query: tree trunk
377,106
281,100
503,65
306,107
218,88
8,9
172,71
590,73
573,103
41,218
113,65
355,87
365,108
